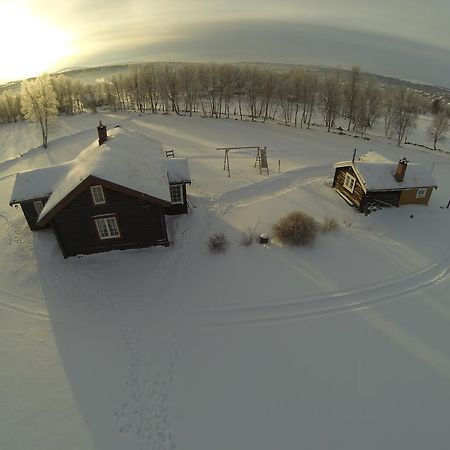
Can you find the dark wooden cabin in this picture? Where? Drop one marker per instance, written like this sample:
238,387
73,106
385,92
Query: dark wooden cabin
375,182
110,197
101,216
32,209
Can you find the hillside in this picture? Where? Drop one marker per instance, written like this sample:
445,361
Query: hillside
91,74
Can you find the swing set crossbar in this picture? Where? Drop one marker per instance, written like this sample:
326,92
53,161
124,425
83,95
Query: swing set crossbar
236,148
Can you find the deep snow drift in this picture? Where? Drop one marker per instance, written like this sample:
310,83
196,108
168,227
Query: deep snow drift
343,345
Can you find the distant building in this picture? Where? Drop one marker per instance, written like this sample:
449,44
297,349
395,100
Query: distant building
373,182
114,195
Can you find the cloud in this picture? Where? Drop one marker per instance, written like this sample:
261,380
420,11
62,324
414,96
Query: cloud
280,42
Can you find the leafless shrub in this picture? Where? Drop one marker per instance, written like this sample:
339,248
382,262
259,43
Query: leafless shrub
248,237
296,229
348,222
218,243
329,225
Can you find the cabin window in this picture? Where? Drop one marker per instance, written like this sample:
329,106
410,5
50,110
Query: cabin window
420,193
98,197
349,182
107,228
38,206
176,193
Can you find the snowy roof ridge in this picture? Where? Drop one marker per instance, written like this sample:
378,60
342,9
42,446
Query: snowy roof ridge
376,173
127,158
373,156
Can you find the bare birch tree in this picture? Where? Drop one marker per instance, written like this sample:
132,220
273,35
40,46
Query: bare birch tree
284,97
368,106
406,109
39,103
351,91
92,96
438,128
388,109
252,88
297,82
10,110
189,87
310,89
269,83
330,94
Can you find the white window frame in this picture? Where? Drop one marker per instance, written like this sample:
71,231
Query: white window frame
107,228
38,206
97,194
349,182
421,192
178,194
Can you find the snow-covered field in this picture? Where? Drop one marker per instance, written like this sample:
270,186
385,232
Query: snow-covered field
344,345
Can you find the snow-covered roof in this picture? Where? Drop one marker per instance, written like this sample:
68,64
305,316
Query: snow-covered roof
127,158
376,173
373,156
178,170
37,183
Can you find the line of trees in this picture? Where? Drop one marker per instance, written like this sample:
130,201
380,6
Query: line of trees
298,97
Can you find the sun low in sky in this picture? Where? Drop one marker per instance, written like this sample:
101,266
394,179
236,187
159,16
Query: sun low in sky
30,44
408,39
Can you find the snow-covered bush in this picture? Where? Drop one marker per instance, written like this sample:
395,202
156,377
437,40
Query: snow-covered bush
329,225
296,229
218,243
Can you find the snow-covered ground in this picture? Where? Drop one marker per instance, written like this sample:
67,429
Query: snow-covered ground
343,345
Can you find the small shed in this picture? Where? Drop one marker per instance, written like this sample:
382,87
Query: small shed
113,195
373,182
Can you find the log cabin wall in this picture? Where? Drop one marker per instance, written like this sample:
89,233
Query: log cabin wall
30,213
180,208
141,223
356,197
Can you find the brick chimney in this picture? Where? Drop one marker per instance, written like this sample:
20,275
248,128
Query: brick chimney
102,136
401,169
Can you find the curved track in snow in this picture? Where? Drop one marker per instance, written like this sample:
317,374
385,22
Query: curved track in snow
332,302
8,306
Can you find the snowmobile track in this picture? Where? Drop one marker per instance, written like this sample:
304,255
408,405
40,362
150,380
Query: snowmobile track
41,315
329,303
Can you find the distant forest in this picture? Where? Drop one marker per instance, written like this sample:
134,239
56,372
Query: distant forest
295,97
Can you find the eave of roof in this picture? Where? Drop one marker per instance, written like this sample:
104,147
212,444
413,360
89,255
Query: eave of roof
382,178
36,184
128,161
45,217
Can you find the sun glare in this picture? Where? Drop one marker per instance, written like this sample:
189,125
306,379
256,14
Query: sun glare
30,45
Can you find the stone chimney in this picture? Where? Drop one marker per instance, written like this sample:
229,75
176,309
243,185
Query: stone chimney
401,169
102,136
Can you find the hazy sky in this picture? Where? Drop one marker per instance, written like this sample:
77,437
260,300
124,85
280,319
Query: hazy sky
401,38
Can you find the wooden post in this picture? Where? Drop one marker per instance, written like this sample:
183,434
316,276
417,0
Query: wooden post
279,165
265,160
228,163
260,160
257,157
